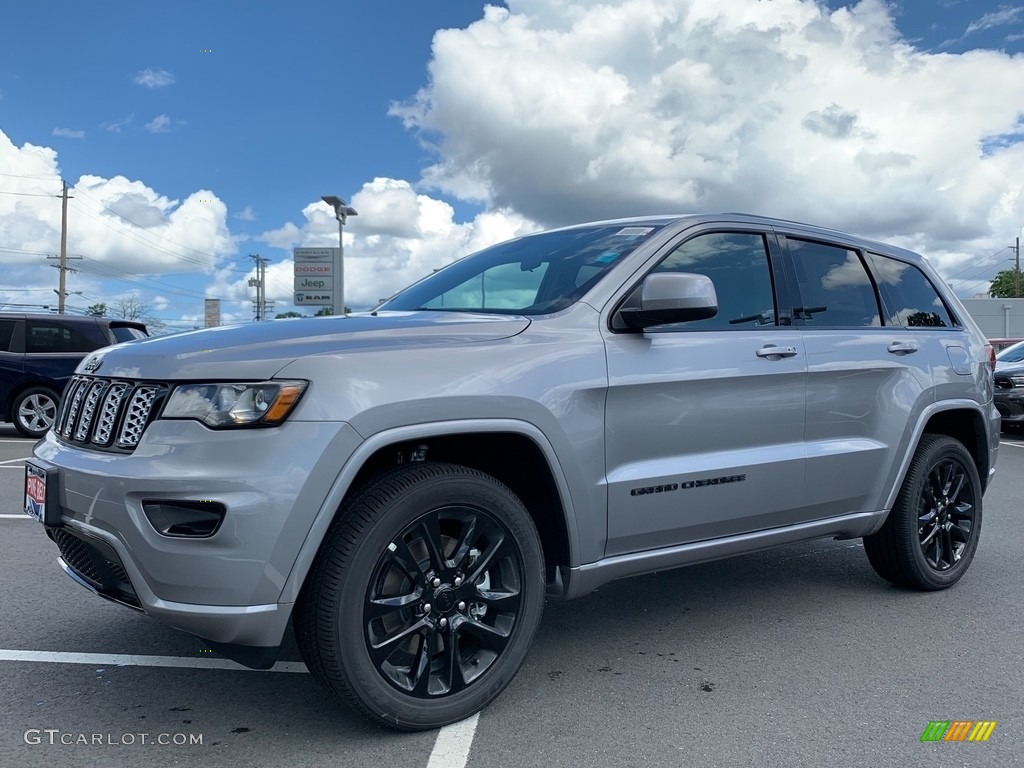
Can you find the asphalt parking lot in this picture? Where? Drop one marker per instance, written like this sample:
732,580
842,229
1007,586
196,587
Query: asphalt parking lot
796,657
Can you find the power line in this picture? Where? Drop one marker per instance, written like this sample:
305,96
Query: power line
163,239
25,194
20,176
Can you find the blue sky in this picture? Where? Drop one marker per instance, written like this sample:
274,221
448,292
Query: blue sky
539,113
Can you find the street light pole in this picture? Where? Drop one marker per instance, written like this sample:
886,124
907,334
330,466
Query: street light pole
341,212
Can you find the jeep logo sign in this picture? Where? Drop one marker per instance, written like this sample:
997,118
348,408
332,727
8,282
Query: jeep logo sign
309,284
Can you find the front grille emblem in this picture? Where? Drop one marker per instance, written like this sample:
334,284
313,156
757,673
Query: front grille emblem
93,365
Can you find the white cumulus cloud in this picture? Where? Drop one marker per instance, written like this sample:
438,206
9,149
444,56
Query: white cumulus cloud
568,111
153,78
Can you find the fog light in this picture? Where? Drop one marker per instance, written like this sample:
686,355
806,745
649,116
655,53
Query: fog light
184,519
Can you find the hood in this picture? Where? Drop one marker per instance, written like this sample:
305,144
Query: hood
260,350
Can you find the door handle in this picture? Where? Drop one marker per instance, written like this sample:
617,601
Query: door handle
772,351
902,347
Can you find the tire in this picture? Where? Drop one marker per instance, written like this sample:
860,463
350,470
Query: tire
34,411
458,556
929,538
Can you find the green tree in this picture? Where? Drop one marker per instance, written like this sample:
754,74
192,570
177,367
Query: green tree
1005,284
97,309
282,315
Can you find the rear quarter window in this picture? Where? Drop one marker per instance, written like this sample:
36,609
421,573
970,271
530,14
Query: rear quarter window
910,298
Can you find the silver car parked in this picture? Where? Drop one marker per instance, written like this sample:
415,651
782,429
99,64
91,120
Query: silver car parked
408,484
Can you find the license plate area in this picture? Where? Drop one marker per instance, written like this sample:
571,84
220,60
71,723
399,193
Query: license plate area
42,499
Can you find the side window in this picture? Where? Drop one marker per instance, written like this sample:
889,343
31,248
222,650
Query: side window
835,289
912,300
54,336
505,286
6,333
737,264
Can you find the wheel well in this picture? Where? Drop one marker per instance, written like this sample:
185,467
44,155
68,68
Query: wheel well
510,458
968,427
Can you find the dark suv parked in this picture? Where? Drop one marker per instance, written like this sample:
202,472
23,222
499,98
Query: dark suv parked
38,354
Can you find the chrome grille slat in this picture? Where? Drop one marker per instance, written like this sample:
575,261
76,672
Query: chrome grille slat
89,409
96,409
69,394
108,413
135,419
76,402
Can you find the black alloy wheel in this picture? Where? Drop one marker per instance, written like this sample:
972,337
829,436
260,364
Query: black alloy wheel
946,514
443,600
425,596
931,534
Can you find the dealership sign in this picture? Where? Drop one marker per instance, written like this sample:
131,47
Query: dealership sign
314,275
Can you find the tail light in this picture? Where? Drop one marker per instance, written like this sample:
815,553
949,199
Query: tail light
991,357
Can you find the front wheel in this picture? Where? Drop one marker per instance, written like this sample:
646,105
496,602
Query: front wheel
930,537
425,597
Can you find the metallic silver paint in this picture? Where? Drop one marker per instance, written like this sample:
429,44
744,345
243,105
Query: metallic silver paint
608,411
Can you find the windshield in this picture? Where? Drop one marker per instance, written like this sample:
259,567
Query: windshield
531,275
1014,354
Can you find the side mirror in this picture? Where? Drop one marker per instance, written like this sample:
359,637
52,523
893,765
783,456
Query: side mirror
669,297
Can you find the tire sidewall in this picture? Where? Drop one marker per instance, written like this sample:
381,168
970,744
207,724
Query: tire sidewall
366,682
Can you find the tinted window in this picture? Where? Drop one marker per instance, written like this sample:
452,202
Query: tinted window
55,336
126,333
737,264
835,289
911,298
6,332
1012,354
506,286
531,275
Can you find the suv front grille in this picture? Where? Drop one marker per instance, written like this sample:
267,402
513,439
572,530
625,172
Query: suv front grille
94,410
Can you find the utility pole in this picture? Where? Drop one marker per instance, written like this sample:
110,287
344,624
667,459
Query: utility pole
260,283
1016,272
62,291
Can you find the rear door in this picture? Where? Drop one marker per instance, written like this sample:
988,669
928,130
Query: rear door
866,379
705,419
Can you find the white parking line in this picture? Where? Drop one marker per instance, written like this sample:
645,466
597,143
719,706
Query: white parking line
129,660
11,461
16,517
1015,445
451,750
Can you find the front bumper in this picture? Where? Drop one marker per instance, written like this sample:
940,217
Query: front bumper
1010,404
224,588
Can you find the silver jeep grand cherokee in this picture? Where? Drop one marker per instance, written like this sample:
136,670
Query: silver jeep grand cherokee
616,398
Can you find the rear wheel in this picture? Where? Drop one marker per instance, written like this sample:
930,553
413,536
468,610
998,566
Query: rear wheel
930,537
34,411
425,597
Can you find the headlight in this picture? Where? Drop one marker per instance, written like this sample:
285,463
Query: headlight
1018,381
265,404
